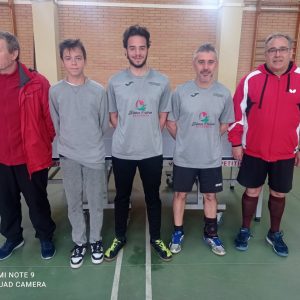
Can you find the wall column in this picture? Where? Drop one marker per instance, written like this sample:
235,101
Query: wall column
228,41
45,33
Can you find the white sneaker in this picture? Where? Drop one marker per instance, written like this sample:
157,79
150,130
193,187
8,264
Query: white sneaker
215,244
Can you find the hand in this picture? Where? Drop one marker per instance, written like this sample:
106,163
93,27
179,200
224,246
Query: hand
297,159
55,162
238,152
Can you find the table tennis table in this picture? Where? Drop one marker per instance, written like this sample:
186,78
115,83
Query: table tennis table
168,150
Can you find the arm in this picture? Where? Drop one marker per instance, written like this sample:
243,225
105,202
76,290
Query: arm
223,128
227,115
54,111
113,117
235,130
174,114
112,105
46,110
172,128
103,114
164,105
297,159
162,119
237,152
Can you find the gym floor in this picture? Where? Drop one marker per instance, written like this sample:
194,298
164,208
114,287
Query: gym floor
137,274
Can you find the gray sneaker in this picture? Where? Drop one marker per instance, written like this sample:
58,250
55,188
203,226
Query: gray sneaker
215,244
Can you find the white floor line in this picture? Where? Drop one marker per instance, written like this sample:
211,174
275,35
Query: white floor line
116,283
148,263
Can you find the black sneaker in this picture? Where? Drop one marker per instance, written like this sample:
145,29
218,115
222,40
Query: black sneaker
77,255
8,247
161,249
97,252
47,249
276,241
112,252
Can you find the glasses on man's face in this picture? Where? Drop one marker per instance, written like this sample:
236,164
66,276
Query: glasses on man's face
281,50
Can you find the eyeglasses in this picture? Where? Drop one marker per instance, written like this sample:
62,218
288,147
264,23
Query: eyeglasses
281,50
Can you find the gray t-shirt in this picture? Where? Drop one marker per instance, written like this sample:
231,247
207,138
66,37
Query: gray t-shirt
198,113
138,100
80,117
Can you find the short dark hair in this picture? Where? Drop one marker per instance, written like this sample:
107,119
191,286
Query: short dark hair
136,30
71,44
11,41
279,35
207,47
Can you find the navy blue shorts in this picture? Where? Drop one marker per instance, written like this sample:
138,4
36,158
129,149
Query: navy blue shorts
210,179
254,171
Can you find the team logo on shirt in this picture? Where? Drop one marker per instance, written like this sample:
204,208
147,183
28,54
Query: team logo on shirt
203,120
129,83
140,105
140,109
204,117
194,95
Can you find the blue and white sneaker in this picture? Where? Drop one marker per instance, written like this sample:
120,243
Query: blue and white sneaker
176,242
276,241
97,252
76,259
215,245
242,238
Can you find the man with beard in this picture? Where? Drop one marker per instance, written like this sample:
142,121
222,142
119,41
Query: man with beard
139,101
201,111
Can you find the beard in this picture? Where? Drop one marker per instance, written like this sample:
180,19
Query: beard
138,66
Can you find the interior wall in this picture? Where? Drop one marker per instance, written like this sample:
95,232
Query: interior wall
269,22
24,30
175,32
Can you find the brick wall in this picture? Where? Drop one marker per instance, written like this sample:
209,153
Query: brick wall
269,22
25,33
24,30
175,34
172,2
5,19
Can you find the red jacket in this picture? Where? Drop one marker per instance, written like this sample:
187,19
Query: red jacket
267,113
36,125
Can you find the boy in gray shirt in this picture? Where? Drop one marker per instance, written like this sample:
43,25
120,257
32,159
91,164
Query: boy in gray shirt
80,115
139,101
201,111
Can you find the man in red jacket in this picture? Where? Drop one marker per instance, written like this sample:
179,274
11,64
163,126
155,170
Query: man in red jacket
265,136
26,134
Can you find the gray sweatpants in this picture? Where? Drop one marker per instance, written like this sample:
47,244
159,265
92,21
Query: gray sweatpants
79,180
